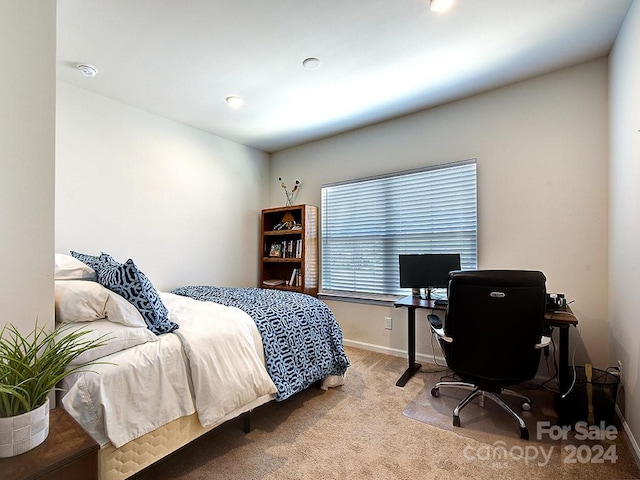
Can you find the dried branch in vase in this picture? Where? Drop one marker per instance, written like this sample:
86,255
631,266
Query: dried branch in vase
289,194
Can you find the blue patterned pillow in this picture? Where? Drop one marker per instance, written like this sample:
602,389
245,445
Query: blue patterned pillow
129,282
94,262
90,260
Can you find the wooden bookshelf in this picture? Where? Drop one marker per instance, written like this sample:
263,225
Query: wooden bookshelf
289,249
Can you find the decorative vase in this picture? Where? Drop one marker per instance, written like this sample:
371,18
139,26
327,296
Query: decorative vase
23,432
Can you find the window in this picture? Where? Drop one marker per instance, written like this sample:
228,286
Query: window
367,223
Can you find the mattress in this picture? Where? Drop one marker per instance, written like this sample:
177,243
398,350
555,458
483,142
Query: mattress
120,463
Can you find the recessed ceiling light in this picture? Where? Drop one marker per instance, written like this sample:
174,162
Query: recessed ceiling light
87,70
311,63
234,101
441,5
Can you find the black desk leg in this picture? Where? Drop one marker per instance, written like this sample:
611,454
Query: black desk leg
564,379
563,374
411,347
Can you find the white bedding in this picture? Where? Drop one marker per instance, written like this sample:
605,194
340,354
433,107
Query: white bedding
225,355
212,364
144,388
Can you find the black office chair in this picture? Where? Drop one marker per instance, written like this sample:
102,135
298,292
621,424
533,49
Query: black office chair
492,334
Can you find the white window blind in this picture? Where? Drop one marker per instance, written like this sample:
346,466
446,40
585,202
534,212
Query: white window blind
367,223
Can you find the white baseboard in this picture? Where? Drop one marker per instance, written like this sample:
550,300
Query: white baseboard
630,437
420,357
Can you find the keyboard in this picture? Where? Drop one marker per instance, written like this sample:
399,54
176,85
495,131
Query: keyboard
441,301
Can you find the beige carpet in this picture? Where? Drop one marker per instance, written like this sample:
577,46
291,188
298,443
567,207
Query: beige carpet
359,431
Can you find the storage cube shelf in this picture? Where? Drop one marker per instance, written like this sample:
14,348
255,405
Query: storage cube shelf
289,252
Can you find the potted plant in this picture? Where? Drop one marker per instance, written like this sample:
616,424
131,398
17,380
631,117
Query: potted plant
30,367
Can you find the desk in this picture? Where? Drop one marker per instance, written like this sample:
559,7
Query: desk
562,320
413,303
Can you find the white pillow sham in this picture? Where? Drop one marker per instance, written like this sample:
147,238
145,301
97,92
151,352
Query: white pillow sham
69,268
116,337
85,301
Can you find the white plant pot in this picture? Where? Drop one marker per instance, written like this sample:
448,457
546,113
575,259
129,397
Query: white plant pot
21,433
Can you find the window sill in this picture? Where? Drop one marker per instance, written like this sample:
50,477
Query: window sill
357,297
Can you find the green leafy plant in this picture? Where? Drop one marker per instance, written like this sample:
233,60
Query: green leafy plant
31,365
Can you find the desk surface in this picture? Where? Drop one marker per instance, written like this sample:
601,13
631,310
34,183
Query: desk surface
557,318
561,318
418,302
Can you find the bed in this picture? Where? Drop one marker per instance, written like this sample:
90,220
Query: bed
162,381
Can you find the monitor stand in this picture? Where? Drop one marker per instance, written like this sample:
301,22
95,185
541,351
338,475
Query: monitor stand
415,292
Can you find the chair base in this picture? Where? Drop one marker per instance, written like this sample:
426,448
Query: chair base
476,391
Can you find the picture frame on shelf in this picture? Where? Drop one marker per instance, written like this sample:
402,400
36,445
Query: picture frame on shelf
275,250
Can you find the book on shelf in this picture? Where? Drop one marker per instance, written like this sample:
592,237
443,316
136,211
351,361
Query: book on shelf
294,276
273,282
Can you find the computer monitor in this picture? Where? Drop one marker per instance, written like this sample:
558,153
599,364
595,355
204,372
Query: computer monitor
429,270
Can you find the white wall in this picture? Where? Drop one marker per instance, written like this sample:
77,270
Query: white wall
184,204
624,212
541,147
27,133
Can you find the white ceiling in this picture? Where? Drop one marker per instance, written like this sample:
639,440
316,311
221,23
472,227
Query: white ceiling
380,59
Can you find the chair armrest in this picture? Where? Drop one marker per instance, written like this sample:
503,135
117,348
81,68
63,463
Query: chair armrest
436,327
434,320
544,342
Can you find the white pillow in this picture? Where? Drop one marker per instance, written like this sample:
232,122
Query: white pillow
69,268
80,301
116,337
120,310
84,301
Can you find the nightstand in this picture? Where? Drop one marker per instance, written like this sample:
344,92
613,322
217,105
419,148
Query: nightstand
67,453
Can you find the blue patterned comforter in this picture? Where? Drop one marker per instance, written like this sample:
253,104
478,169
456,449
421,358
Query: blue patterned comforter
301,337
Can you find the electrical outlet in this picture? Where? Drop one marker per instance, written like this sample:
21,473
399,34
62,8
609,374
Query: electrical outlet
388,323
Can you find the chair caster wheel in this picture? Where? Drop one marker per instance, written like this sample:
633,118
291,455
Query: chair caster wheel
456,422
435,392
524,433
526,406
